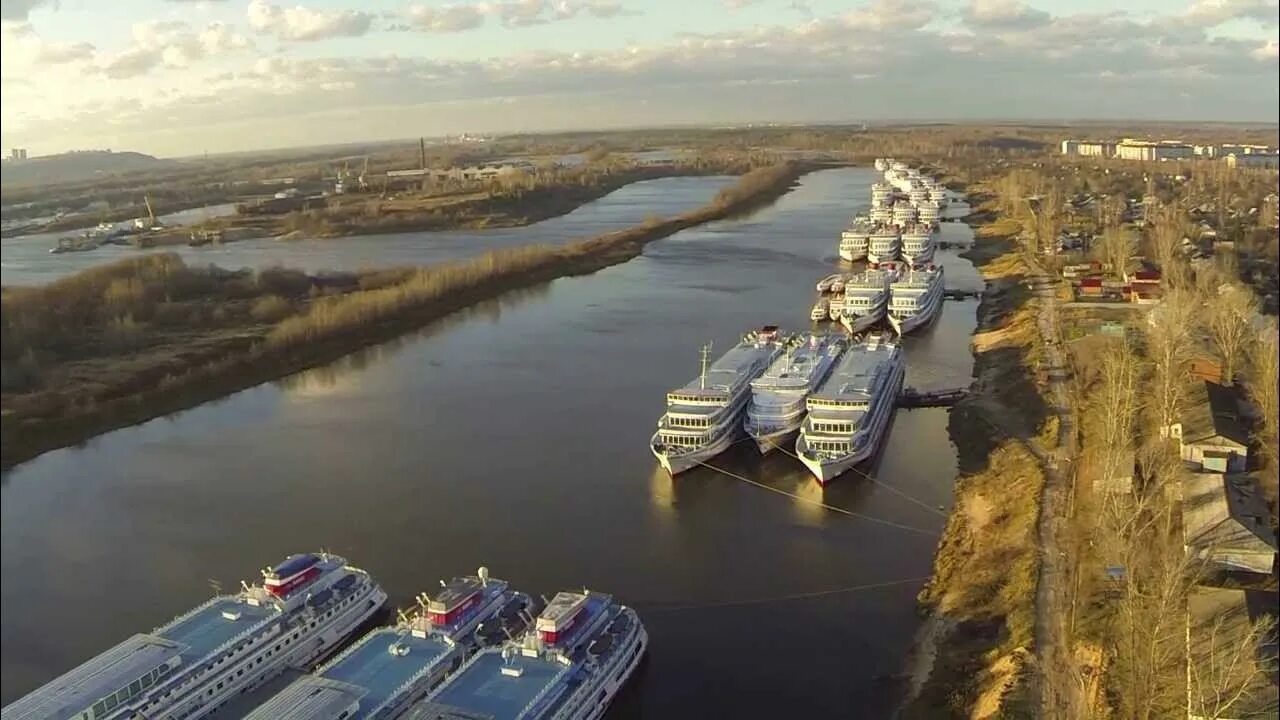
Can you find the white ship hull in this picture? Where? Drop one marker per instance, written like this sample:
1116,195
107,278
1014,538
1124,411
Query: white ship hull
915,322
677,463
773,439
924,257
825,470
852,254
612,684
857,323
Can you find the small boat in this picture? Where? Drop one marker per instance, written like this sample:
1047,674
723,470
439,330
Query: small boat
820,310
827,283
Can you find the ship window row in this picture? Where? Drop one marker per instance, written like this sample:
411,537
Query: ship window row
833,427
682,441
690,422
825,446
855,404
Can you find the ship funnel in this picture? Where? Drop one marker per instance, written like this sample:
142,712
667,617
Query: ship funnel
483,574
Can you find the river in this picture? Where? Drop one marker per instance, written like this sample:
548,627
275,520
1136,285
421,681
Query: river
515,435
27,261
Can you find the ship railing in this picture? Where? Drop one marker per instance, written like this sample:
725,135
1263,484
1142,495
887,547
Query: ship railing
192,612
399,693
533,702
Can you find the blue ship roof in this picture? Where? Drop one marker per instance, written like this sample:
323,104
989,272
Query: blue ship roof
295,563
483,690
207,628
372,666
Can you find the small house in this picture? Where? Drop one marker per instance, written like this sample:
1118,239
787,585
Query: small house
1225,523
1210,435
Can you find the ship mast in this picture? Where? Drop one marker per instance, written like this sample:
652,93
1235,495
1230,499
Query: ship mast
706,353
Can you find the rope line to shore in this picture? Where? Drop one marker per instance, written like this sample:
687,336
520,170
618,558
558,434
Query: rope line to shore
819,503
886,486
783,598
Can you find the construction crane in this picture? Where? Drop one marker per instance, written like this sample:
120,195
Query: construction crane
149,221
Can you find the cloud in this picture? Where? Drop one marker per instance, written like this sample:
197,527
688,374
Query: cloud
1002,14
303,24
892,15
1270,52
446,19
508,13
1211,13
19,9
171,44
24,47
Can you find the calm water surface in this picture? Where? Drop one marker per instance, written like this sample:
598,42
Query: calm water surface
27,261
515,435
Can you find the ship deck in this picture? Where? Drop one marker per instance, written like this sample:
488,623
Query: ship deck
730,369
204,630
855,377
372,666
483,689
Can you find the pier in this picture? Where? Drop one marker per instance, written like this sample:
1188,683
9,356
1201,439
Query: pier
961,294
913,398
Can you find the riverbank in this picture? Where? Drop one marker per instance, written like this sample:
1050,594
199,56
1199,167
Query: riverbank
144,376
972,658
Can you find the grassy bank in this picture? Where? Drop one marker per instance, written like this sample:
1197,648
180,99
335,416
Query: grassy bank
120,344
972,656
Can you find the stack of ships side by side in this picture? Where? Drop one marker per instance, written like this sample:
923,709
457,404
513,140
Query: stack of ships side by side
850,411
231,644
704,417
581,651
866,297
391,668
778,396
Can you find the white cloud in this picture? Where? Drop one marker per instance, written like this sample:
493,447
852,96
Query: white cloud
171,44
1210,13
1003,14
892,15
1270,52
23,47
301,23
509,13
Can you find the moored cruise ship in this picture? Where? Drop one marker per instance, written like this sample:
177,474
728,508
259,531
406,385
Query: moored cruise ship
881,214
866,299
704,417
583,649
928,212
849,412
915,298
884,244
918,244
880,194
903,214
393,667
854,241
777,397
228,645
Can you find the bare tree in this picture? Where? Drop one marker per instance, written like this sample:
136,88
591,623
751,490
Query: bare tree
1261,381
1118,404
1227,670
1114,248
1168,228
1229,319
1169,333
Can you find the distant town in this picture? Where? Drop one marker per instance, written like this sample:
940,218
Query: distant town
1250,156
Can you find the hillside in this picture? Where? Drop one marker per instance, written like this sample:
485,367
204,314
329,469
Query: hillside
72,166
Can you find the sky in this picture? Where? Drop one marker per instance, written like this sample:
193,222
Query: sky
184,77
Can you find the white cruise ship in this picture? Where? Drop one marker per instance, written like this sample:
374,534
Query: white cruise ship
704,417
884,244
392,667
919,244
777,396
915,298
928,212
821,310
938,194
866,299
229,645
903,214
919,194
881,214
583,649
835,306
849,412
854,241
882,164
880,194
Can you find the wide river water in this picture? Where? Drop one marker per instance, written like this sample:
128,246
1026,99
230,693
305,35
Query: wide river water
27,260
515,435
